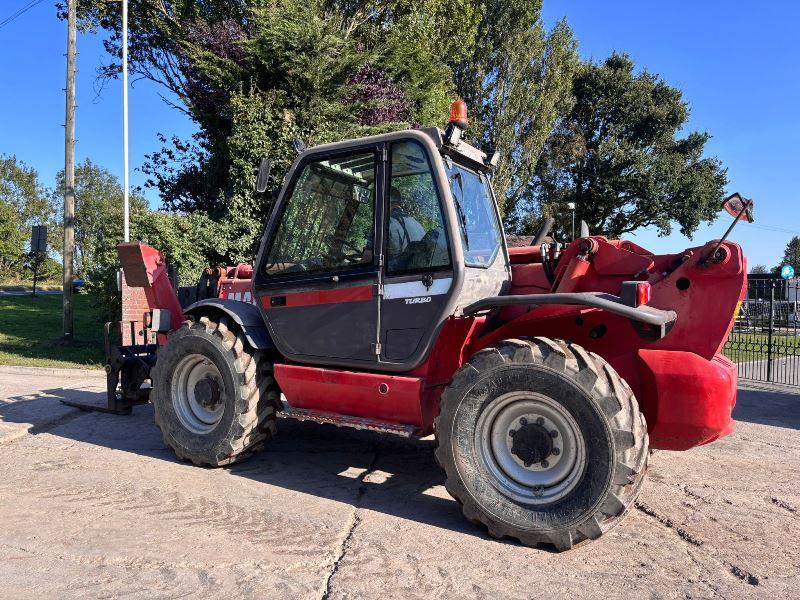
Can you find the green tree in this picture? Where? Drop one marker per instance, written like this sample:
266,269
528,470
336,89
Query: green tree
759,270
617,155
791,255
517,82
12,241
323,70
98,212
253,75
23,203
187,240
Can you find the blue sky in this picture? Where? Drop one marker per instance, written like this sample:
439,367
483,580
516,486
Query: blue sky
737,63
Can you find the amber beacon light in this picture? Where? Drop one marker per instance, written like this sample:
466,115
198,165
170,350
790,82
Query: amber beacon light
458,114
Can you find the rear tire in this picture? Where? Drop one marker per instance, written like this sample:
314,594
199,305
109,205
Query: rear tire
541,441
214,397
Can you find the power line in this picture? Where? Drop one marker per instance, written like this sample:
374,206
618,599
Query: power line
20,12
775,229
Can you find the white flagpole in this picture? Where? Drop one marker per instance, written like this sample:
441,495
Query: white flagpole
126,200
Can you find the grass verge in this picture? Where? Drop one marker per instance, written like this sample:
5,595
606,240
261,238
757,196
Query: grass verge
31,333
25,285
750,347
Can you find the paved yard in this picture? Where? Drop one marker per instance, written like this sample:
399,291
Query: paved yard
93,505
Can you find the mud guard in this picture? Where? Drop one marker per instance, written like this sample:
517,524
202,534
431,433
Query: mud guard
245,315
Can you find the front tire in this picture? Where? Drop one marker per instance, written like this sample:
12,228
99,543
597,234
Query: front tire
214,397
541,441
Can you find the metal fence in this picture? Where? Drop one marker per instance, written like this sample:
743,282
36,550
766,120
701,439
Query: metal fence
765,341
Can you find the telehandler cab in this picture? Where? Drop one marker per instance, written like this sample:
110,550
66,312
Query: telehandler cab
383,296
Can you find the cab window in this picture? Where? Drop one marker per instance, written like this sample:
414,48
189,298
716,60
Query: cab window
415,235
327,223
477,218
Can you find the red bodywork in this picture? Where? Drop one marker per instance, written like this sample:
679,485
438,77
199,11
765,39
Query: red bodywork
685,388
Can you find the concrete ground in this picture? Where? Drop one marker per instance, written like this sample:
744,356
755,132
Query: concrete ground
93,505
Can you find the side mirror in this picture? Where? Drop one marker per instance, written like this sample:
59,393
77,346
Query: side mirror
263,175
738,207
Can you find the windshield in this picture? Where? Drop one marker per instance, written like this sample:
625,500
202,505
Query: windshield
477,219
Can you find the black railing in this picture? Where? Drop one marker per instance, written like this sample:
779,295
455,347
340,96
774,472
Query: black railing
765,341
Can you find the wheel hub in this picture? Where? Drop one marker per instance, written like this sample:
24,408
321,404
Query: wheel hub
197,394
207,393
532,447
531,443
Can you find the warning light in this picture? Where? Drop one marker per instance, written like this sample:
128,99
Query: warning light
458,114
636,293
643,293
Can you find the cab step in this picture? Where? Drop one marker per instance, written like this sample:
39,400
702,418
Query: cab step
329,418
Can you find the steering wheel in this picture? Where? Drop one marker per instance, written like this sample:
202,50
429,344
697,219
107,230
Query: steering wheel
357,254
356,251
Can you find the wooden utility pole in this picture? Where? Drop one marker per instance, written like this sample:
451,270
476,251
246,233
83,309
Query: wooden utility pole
69,171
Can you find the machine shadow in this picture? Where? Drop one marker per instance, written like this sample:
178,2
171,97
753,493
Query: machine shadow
376,471
778,408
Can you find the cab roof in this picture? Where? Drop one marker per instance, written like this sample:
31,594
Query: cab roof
459,150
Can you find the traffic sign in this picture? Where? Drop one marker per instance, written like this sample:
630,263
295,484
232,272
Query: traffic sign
38,239
787,271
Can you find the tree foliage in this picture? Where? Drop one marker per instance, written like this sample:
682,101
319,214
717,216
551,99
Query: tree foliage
791,255
617,155
23,203
187,240
12,240
517,82
254,75
98,213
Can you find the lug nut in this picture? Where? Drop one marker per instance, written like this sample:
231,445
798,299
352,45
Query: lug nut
540,421
556,452
511,432
523,421
527,464
553,433
545,464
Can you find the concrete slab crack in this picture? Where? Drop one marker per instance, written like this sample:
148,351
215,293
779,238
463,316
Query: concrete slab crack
735,570
349,529
667,522
742,574
784,505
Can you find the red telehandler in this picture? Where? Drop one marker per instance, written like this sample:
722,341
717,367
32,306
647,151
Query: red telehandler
384,297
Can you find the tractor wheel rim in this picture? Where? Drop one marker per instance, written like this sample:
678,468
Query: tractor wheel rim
197,394
531,446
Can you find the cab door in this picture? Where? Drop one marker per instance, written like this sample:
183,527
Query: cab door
317,275
418,270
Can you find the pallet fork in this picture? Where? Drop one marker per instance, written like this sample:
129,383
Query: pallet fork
127,369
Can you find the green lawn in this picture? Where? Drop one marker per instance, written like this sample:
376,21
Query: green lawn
31,333
745,347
